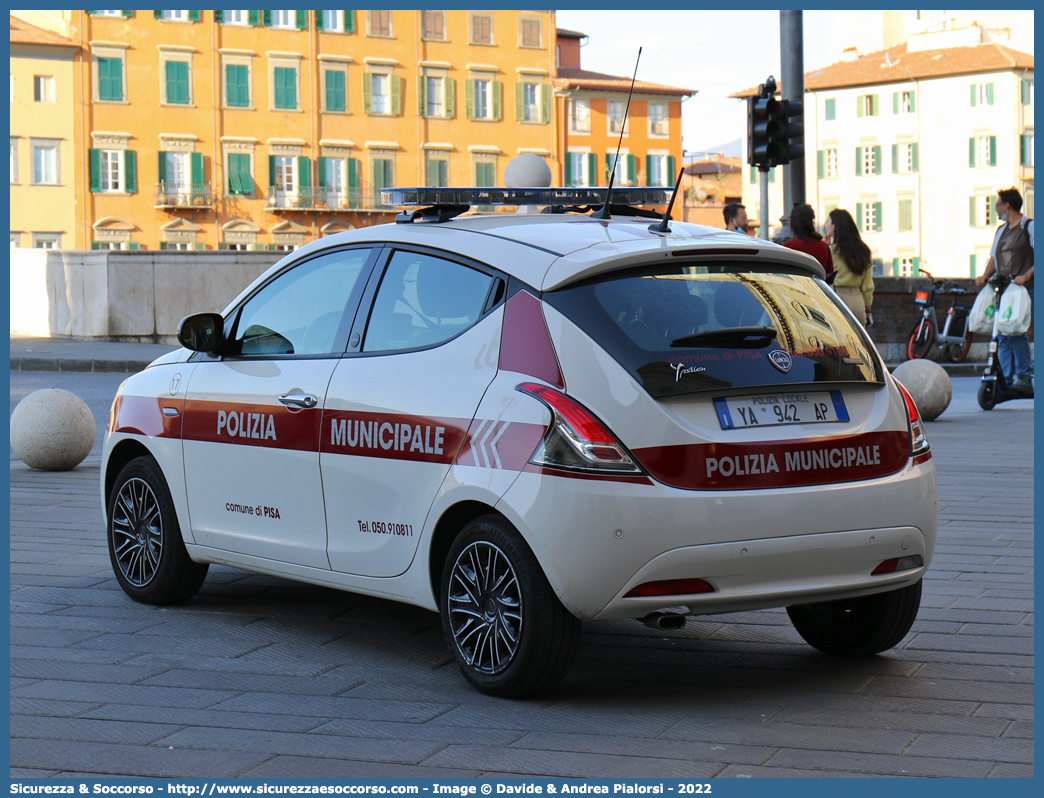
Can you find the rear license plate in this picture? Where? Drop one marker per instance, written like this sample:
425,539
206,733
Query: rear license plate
774,409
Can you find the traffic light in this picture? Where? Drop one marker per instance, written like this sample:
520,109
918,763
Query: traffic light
766,128
794,135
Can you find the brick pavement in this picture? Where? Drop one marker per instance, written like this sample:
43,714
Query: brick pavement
261,677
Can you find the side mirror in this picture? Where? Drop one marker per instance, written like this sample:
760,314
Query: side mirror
202,332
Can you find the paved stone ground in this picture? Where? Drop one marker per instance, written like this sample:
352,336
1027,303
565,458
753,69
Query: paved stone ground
261,677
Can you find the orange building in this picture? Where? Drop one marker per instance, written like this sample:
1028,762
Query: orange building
592,108
267,129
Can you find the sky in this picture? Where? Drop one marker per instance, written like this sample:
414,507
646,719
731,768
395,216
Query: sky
715,52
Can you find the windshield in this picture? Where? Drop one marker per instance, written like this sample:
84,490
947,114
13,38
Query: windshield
712,326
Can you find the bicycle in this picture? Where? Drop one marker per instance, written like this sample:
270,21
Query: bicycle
955,338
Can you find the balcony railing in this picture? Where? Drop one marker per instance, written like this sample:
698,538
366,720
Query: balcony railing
187,195
308,198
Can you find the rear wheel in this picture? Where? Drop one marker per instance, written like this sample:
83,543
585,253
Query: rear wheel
858,627
987,395
508,631
921,338
145,547
957,352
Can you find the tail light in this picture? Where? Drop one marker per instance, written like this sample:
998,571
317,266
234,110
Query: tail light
919,448
898,564
576,439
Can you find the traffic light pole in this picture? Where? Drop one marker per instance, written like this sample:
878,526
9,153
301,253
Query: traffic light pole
791,40
763,232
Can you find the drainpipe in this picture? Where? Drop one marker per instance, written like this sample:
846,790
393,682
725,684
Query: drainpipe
219,166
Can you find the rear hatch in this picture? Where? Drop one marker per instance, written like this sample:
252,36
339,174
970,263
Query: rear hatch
755,374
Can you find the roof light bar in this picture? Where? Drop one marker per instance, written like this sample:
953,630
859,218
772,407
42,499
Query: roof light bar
423,196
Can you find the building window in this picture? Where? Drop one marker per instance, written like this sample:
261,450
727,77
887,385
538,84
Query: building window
434,25
981,210
531,102
433,99
830,170
905,215
237,85
580,116
1026,148
904,158
379,23
615,113
335,94
906,266
284,179
340,178
176,77
529,32
237,18
982,94
240,180
982,151
284,88
905,102
333,20
383,173
177,16
867,105
868,216
830,110
14,161
176,173
46,240
438,169
486,170
868,160
283,18
577,172
106,13
45,163
483,100
16,240
110,79
658,119
43,88
657,170
1026,92
110,171
481,28
382,94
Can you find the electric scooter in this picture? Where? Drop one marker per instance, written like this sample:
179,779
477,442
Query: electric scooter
994,387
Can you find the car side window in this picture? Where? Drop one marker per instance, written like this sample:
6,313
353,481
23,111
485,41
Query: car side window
300,311
424,300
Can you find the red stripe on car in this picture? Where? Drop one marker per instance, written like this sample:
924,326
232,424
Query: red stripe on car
393,436
143,415
244,424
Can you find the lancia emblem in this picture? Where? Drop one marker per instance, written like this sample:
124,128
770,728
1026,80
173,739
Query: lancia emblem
781,360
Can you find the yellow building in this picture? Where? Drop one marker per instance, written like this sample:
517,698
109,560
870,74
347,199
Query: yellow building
253,129
44,122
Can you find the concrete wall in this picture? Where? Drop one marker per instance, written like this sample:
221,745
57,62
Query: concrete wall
122,295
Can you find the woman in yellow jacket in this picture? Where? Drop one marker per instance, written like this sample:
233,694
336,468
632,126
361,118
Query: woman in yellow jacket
853,282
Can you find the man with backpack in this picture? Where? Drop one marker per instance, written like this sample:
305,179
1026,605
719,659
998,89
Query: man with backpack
1012,255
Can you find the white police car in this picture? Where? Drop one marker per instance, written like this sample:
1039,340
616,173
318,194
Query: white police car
525,421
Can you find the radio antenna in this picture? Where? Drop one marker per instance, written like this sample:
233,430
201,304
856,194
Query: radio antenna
664,226
604,212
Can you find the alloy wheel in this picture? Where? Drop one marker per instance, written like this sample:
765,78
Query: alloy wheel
137,532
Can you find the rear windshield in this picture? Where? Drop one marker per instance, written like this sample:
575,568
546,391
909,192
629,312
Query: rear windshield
707,327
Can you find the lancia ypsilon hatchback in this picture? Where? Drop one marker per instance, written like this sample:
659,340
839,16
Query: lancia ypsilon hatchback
524,421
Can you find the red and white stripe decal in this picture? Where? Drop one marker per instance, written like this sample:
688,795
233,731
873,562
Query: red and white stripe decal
393,436
783,464
244,424
500,444
143,415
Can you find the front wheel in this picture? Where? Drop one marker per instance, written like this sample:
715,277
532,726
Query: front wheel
956,353
987,395
921,338
858,627
145,547
508,631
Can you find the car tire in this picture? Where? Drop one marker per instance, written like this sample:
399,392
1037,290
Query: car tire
921,339
987,395
861,626
145,546
508,632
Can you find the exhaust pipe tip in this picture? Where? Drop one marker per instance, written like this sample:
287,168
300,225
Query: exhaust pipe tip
664,620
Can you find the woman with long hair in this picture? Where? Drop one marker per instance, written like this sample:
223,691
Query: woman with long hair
807,239
853,280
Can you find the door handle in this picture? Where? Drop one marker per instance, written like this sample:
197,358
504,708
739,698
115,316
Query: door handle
305,400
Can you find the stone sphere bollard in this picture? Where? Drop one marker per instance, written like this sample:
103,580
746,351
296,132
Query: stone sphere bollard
928,384
52,430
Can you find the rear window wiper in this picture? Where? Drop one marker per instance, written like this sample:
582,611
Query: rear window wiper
743,337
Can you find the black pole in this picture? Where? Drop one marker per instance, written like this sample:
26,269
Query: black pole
792,58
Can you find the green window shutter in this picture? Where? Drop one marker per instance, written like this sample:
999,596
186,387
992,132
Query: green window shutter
450,97
877,159
127,14
1023,150
254,18
396,95
859,160
133,245
349,21
335,94
568,167
520,100
246,180
367,93
632,164
196,160
353,166
223,246
199,245
469,98
859,106
433,173
498,100
163,245
271,171
96,245
285,79
895,159
94,161
972,216
318,20
592,169
648,170
177,82
1025,95
753,175
237,77
110,79
874,109
234,184
820,164
193,16
670,171
422,96
993,149
895,102
830,110
914,157
974,94
545,103
130,171
301,19
906,214
161,166
895,267
972,270
320,171
859,216
971,152
878,220
219,17
304,172
915,266
158,14
913,101
989,93
266,17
